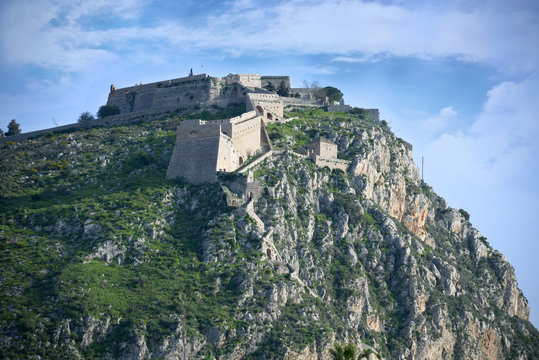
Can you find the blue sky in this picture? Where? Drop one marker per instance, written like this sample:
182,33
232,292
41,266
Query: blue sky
458,79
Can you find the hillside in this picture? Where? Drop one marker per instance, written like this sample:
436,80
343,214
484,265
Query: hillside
102,257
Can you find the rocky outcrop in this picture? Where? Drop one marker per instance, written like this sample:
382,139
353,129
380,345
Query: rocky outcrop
167,270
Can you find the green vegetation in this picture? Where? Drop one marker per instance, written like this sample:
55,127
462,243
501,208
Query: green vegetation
107,110
333,94
85,117
130,99
13,128
91,232
348,352
283,90
313,123
270,87
465,214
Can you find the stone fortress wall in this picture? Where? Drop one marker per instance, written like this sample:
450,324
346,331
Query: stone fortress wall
271,102
196,151
256,80
194,90
275,81
190,91
331,163
248,80
205,147
371,114
179,93
304,93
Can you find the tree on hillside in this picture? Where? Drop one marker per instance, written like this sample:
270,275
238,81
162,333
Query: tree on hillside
1,133
313,88
270,87
283,90
13,128
85,117
333,94
347,352
107,110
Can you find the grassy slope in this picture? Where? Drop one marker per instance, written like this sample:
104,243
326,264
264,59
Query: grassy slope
115,177
54,187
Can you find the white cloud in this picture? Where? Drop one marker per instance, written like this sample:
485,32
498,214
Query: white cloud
360,59
320,70
434,125
50,33
448,112
350,59
501,145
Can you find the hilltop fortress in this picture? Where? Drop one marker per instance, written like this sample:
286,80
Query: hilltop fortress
204,148
195,90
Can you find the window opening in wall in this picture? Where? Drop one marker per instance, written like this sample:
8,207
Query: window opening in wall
268,253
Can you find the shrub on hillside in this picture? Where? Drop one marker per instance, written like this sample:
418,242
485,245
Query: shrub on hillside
107,110
85,117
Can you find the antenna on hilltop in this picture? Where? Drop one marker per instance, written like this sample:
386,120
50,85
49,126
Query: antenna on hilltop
54,122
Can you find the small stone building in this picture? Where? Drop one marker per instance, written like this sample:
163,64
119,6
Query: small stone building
323,147
324,154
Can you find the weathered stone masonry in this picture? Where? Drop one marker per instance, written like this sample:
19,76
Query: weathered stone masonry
204,147
179,93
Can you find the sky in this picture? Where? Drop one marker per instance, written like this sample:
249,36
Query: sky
457,79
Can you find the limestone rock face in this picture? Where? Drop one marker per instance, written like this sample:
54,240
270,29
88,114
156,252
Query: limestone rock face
372,257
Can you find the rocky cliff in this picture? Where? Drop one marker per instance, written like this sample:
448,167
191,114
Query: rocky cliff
104,258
